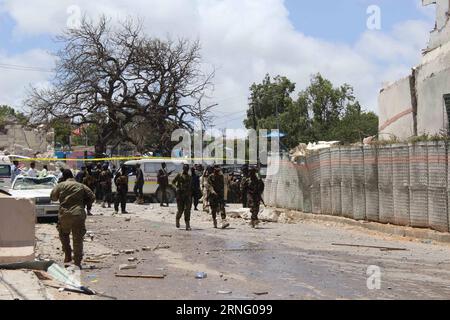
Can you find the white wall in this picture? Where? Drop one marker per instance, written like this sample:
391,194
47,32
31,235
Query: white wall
433,81
394,100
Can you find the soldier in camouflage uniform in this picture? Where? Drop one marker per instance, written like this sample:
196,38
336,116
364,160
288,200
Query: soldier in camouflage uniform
255,188
121,181
183,183
216,199
89,181
105,181
73,198
244,182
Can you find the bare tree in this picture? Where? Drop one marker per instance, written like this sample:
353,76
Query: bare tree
119,79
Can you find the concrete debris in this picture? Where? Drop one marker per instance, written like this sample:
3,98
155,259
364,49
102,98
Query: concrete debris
369,247
128,219
263,293
224,292
158,247
140,276
127,267
132,259
146,249
201,275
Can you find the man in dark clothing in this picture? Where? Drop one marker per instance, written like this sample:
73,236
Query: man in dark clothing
81,174
121,181
105,181
216,199
97,187
244,183
183,183
163,182
196,189
89,181
139,185
73,198
255,188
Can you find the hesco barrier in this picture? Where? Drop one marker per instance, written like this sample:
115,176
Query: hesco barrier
346,185
418,175
400,169
401,184
325,181
358,179
336,182
371,183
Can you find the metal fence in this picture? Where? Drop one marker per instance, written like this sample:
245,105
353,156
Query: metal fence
403,184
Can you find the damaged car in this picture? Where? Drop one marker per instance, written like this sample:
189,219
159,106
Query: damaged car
37,190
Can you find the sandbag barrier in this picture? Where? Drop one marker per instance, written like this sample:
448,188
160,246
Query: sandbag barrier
401,184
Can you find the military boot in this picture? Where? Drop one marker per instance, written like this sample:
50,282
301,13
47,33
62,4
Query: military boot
225,224
68,257
188,226
215,224
178,223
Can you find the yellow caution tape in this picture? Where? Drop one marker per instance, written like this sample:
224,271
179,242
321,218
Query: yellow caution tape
122,159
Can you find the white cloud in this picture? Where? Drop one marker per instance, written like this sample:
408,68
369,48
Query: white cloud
14,82
245,39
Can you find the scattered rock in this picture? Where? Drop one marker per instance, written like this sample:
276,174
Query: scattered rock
146,249
127,219
132,259
262,293
129,251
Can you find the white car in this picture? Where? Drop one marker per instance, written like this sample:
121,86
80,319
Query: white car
37,190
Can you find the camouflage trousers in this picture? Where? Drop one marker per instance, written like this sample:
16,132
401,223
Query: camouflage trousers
184,204
254,204
216,207
76,225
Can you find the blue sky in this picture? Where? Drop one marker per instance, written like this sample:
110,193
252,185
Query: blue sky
242,39
337,21
345,20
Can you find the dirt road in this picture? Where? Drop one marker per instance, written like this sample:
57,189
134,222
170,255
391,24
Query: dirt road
277,261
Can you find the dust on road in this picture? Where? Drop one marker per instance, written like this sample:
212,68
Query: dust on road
276,261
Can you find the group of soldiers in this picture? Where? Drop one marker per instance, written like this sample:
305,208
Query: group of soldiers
77,194
213,187
100,179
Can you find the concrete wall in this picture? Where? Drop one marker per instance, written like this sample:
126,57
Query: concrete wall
429,82
17,225
26,142
432,82
396,110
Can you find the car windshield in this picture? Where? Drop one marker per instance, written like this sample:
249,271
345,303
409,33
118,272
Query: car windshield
27,183
5,170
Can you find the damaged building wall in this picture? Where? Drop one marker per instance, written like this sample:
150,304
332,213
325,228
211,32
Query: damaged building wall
415,105
16,139
433,82
396,110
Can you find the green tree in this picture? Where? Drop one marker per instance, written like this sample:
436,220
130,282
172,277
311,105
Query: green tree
356,125
267,98
322,112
